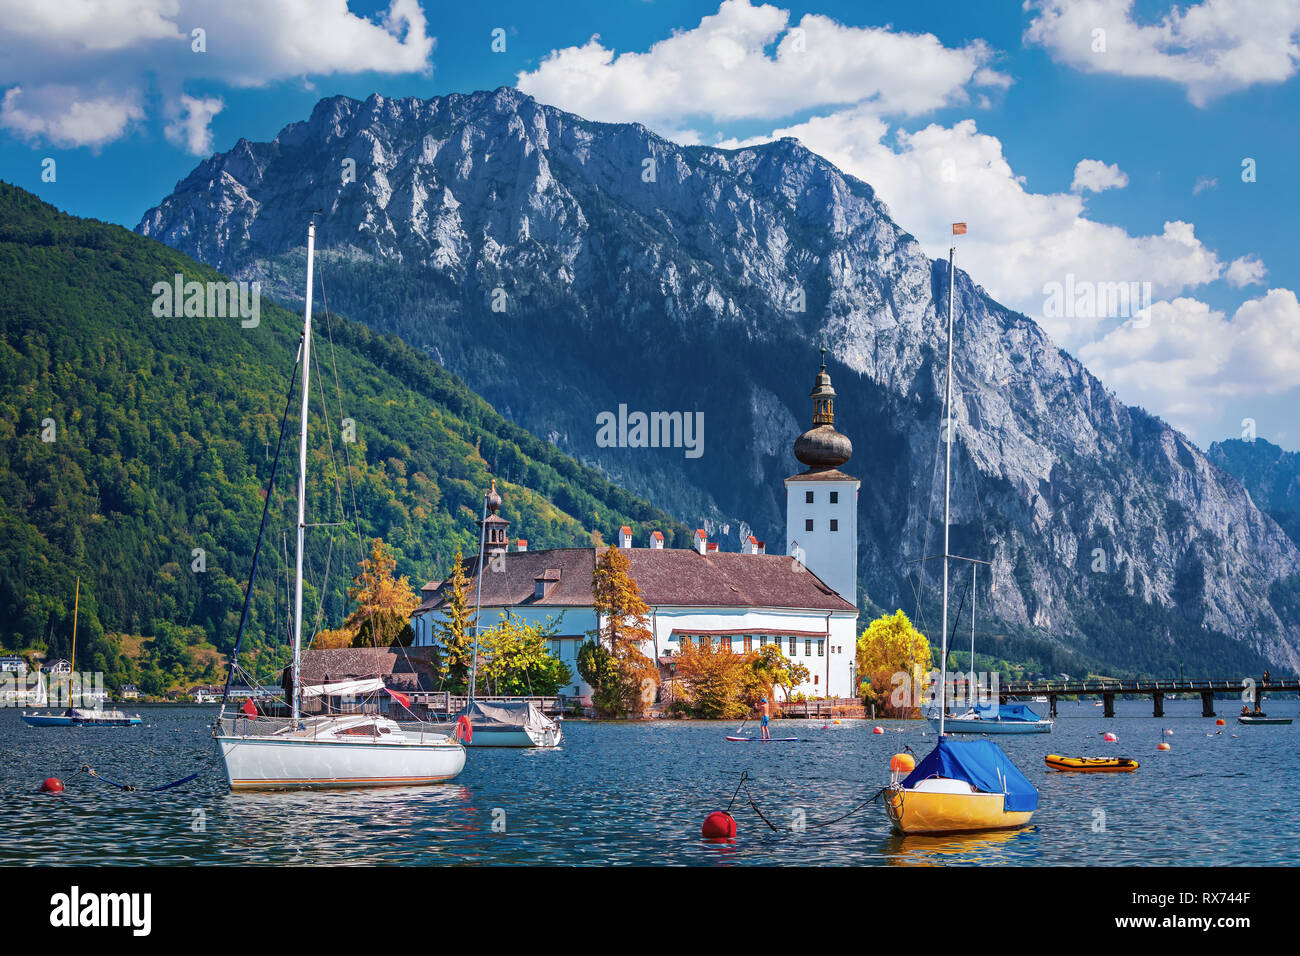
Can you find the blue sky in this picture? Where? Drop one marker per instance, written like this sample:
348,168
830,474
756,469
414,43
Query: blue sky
1111,159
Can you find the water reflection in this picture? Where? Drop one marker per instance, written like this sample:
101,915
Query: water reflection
1000,848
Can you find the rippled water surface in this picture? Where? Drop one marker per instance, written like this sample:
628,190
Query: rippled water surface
638,792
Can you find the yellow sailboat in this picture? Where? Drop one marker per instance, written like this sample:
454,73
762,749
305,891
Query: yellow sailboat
963,786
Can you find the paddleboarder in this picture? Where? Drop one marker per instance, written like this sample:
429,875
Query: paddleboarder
764,717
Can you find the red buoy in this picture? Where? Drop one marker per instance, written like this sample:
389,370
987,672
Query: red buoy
877,730
52,785
719,825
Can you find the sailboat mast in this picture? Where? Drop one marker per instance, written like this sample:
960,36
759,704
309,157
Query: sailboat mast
971,689
478,595
947,497
302,478
76,606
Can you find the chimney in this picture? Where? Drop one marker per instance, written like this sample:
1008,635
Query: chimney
700,542
657,540
521,544
625,537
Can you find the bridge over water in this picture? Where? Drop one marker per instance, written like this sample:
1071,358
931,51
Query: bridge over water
1248,689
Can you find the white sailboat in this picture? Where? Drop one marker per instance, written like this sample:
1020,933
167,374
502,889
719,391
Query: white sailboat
960,786
332,750
992,717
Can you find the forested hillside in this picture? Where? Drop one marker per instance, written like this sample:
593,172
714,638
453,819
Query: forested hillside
129,441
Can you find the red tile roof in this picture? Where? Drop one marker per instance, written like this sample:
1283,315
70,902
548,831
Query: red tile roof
667,577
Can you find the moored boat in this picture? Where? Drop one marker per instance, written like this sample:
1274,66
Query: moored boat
78,717
329,749
1262,719
1091,764
514,723
1005,719
963,786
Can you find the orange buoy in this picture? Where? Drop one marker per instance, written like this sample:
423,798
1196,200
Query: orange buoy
51,785
1109,738
877,730
719,825
1162,746
902,763
464,730
1220,722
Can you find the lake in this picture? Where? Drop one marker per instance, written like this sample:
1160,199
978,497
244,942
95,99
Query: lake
637,793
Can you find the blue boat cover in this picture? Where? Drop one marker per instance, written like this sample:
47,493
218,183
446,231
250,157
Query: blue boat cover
1016,712
983,765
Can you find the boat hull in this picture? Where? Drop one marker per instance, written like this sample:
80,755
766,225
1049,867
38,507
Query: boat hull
59,720
915,811
288,763
1263,720
514,737
957,725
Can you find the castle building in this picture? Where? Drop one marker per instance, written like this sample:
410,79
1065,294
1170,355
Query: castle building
804,602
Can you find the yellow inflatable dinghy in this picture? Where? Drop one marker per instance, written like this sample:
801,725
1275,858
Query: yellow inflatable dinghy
1091,764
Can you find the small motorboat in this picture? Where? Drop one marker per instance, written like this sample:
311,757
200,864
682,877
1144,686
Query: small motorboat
511,723
1262,718
1091,764
77,717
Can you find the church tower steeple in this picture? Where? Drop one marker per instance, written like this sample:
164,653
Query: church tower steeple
821,504
494,535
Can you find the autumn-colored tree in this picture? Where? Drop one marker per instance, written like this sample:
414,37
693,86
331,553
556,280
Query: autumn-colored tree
453,632
771,669
893,658
623,678
385,602
715,679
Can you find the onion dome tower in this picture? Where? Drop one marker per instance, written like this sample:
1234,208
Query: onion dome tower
494,533
821,504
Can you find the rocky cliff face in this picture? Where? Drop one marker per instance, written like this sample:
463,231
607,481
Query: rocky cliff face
565,268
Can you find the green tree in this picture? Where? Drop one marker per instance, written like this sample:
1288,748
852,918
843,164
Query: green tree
453,631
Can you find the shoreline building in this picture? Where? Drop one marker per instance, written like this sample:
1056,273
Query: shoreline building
804,601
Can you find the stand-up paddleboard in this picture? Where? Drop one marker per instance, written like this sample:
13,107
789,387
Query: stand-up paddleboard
761,740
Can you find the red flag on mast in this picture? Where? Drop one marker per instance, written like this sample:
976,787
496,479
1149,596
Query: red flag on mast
249,707
399,696
959,228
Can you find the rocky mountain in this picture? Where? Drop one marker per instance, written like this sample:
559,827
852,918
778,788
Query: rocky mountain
1270,474
566,268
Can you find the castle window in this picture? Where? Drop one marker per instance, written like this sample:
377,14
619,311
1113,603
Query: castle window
821,648
794,647
808,524
807,648
808,497
749,643
726,643
835,497
835,524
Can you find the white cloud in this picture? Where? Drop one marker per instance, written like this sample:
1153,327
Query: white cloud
190,124
1019,240
1247,270
1190,358
63,116
722,69
1203,183
1092,175
1210,48
107,52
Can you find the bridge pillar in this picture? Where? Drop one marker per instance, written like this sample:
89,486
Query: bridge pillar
1052,698
1108,705
1158,699
1207,703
